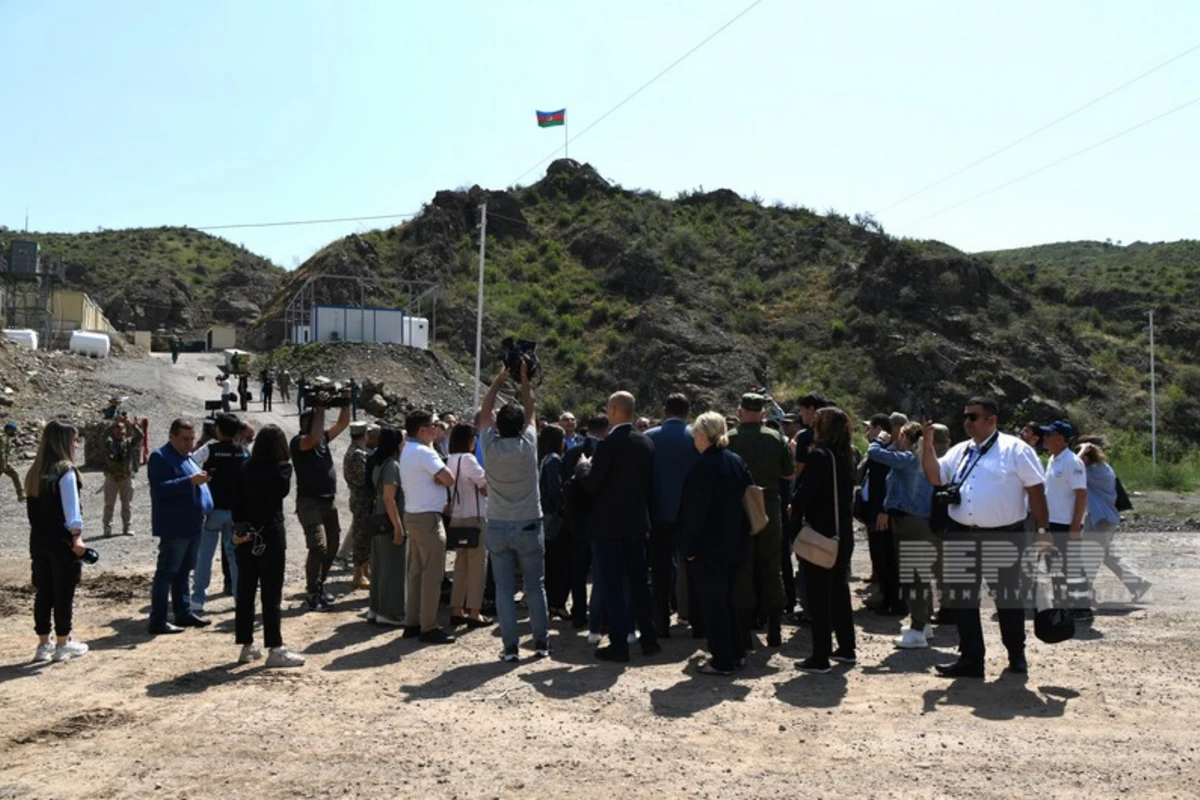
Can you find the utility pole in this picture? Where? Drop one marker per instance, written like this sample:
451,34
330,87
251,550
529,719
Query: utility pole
479,301
1153,404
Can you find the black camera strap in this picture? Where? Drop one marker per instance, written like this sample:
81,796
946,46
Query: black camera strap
983,449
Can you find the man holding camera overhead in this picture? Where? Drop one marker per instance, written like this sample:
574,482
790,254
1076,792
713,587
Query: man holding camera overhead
316,486
989,482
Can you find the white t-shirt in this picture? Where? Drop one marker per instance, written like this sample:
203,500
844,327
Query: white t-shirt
1064,474
225,390
468,478
993,493
422,494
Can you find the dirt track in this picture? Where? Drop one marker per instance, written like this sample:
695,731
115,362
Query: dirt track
371,715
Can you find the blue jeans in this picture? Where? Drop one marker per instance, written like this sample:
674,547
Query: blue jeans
218,527
508,544
176,560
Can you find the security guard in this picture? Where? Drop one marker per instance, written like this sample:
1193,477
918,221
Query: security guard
759,589
991,480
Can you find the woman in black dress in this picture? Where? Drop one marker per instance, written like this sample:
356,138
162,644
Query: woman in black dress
828,514
261,546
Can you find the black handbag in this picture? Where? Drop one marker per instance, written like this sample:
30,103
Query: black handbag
1053,623
463,532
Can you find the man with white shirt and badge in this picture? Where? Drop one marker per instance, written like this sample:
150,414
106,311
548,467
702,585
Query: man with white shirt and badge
990,481
1067,498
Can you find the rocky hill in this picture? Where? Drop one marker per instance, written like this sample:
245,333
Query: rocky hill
151,278
711,292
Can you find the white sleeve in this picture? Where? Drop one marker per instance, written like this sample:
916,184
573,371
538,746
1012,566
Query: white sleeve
1029,468
948,462
1078,474
68,491
472,473
431,462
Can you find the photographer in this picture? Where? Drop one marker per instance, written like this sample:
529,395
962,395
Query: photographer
316,485
121,450
987,481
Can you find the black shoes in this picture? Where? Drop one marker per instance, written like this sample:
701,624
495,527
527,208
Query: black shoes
817,666
775,630
959,669
651,648
1018,666
165,627
436,636
192,621
609,654
412,631
844,656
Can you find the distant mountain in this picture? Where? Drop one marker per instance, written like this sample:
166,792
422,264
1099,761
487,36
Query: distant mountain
711,293
153,278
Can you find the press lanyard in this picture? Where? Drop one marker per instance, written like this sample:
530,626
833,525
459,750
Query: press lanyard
987,445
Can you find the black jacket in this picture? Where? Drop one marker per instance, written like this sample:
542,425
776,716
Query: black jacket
620,483
813,500
258,499
876,477
713,525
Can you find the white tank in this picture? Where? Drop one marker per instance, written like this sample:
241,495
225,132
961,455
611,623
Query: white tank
88,343
22,336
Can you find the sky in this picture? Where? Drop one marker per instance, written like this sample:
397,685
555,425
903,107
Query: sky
139,114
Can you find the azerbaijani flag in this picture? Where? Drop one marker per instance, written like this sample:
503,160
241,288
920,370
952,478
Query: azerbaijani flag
548,119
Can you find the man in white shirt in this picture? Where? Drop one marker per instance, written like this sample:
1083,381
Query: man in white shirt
992,479
424,480
1067,496
226,390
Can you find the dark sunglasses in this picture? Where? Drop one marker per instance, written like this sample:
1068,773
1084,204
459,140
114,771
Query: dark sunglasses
972,416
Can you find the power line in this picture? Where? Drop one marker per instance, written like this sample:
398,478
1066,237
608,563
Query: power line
1055,163
642,88
1034,133
304,222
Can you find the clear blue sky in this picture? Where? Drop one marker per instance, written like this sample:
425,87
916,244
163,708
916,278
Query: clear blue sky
122,114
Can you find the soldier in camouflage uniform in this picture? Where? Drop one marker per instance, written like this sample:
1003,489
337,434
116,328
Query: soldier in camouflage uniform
354,470
122,448
7,441
759,589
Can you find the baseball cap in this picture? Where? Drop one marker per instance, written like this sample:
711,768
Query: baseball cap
1058,426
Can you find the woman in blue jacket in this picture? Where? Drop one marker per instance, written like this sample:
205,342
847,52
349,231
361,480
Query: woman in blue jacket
715,538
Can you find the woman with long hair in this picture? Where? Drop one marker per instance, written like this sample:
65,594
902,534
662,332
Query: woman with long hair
830,464
388,550
52,489
714,535
469,497
1103,518
551,444
260,546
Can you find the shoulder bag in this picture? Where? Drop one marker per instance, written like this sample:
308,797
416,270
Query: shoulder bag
812,546
463,532
756,509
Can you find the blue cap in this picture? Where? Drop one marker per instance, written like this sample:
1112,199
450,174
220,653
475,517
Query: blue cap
1058,426
11,426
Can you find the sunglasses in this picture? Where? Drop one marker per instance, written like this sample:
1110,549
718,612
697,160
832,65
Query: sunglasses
972,416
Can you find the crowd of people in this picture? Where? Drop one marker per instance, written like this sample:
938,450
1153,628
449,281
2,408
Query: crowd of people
655,517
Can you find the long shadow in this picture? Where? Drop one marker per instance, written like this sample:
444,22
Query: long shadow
870,622
1005,698
453,681
379,656
567,683
349,634
1087,633
127,635
696,693
21,669
810,690
194,682
906,662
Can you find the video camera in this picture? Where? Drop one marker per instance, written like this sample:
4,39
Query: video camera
514,353
312,392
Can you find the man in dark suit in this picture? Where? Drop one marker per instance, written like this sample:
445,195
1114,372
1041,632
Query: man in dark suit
179,501
577,531
620,481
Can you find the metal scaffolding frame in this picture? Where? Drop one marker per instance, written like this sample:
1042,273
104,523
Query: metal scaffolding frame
301,309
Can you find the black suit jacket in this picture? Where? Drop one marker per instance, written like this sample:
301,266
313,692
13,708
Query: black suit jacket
621,482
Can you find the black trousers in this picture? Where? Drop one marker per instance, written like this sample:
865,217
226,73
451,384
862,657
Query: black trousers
265,571
56,573
581,547
560,569
625,592
664,541
267,399
726,638
974,556
786,569
828,602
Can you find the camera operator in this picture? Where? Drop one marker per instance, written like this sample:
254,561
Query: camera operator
316,485
990,480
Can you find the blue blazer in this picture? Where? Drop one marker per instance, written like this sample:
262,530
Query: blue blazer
674,454
177,507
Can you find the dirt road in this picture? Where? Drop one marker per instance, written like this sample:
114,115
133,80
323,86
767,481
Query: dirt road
371,715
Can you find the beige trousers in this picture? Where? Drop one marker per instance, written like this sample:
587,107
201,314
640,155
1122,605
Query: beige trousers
470,574
426,566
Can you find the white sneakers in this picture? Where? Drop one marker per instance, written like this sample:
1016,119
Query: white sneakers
912,639
44,653
72,649
250,652
380,619
281,657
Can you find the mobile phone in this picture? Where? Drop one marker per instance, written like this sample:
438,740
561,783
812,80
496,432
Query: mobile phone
924,413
